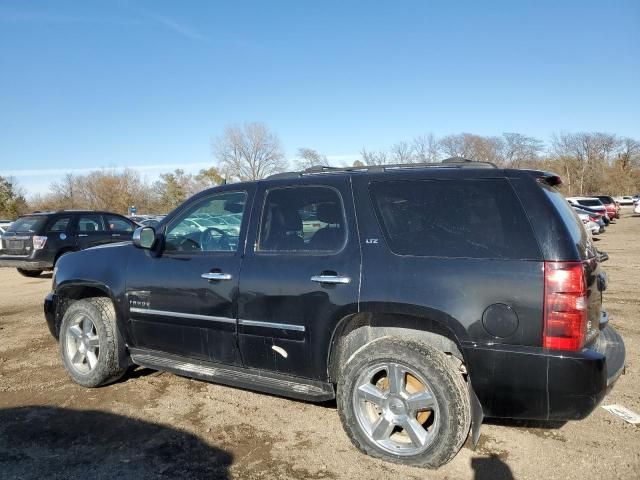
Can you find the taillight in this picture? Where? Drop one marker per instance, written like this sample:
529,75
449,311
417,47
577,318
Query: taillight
39,242
565,306
594,219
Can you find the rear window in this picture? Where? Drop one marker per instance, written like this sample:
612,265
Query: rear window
454,218
571,220
27,224
590,203
606,199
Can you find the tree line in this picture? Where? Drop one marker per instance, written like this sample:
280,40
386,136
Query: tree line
588,162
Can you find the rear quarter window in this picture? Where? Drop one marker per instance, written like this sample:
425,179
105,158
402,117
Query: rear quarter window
571,220
454,218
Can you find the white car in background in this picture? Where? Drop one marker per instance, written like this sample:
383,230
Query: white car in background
626,200
637,208
4,225
590,226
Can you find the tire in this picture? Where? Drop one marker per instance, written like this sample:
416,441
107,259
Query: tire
447,423
78,339
29,273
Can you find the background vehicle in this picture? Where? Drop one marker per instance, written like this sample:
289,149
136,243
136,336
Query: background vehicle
380,308
598,211
35,242
590,222
625,200
613,209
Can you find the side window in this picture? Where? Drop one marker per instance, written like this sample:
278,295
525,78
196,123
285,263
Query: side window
454,218
60,224
90,223
118,224
302,219
204,226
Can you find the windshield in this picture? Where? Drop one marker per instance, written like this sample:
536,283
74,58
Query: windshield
27,224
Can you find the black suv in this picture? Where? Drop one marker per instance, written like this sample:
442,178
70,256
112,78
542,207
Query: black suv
35,242
421,297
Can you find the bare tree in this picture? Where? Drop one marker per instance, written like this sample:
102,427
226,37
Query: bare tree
401,152
426,149
473,147
520,150
374,158
308,157
249,152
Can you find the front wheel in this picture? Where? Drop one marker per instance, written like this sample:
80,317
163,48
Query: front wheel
89,343
29,273
404,401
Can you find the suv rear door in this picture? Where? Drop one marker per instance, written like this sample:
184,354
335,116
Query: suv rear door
300,274
18,239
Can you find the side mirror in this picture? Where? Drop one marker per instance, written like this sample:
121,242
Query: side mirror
144,237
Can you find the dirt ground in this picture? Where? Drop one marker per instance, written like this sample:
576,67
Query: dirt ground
152,424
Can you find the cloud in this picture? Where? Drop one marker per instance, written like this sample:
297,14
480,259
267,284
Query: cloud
176,27
8,15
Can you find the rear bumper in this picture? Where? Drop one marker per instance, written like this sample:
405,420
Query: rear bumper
539,384
25,263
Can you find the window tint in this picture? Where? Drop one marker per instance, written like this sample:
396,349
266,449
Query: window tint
90,223
590,203
203,228
302,219
571,220
454,218
27,224
60,225
118,224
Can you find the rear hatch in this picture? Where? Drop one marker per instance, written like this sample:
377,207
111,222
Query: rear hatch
18,239
594,276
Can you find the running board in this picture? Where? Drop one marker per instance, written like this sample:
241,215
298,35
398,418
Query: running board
260,380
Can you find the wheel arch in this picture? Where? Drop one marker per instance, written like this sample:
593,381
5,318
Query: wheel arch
354,331
72,291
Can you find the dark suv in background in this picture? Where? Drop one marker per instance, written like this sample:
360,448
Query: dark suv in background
421,297
35,242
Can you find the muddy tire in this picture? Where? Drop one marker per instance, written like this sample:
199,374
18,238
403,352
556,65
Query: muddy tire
404,401
89,343
29,273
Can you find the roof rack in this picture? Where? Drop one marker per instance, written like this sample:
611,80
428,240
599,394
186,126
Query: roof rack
453,162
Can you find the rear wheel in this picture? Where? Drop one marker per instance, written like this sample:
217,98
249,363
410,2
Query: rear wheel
405,402
29,273
89,344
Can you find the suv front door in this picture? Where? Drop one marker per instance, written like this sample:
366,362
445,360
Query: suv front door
183,300
91,231
299,276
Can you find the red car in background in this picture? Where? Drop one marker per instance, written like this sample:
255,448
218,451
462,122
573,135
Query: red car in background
613,209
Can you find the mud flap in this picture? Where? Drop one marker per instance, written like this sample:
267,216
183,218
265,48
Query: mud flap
476,416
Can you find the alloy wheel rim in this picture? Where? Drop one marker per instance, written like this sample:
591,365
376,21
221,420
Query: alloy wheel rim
396,408
82,344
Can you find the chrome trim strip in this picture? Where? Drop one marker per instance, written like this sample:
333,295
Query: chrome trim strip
165,313
280,326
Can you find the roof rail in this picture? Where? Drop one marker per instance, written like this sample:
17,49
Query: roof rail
453,162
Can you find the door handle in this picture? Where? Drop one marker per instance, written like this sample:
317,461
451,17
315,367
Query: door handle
83,235
216,276
333,279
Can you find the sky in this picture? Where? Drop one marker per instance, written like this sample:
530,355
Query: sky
149,84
